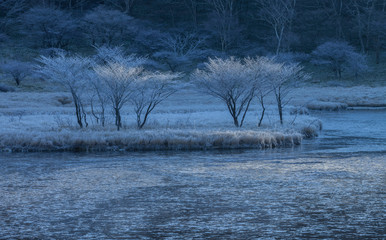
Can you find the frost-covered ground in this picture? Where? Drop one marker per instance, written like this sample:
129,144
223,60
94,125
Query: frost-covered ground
187,120
333,98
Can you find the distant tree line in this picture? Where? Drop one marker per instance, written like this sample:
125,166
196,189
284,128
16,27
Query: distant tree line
242,26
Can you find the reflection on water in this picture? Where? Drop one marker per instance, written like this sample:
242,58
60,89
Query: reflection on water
319,190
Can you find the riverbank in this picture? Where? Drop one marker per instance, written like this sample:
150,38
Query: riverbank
145,140
44,121
339,98
188,120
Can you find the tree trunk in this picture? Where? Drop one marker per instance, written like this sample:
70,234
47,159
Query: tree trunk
280,107
236,121
78,110
78,115
279,37
262,112
84,115
118,122
246,110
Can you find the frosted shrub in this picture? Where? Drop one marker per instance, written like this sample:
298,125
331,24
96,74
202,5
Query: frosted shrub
339,56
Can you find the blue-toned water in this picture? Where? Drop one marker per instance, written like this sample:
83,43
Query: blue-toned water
332,187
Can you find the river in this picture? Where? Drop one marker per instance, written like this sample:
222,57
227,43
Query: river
332,187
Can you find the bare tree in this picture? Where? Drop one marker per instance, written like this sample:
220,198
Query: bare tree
192,5
229,81
182,44
149,91
334,10
17,69
72,73
180,48
98,107
103,26
259,69
117,75
103,56
279,15
282,78
9,10
363,12
49,27
225,21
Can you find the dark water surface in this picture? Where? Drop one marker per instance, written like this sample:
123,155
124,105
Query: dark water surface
329,188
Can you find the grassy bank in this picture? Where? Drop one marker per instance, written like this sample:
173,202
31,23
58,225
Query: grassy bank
39,121
135,140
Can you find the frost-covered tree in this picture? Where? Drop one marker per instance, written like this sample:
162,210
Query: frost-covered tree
150,90
259,73
9,11
224,21
339,56
16,69
98,98
335,12
72,72
192,6
363,13
49,27
103,56
106,27
116,77
229,81
180,49
282,78
183,44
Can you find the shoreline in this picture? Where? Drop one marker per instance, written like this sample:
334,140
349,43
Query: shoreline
130,141
39,122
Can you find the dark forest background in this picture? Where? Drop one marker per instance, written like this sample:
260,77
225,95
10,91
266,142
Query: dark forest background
174,32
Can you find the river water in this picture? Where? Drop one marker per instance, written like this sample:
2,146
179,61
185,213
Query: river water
332,187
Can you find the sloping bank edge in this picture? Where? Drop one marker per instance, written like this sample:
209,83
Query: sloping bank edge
148,140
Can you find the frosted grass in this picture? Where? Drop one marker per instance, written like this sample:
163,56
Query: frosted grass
188,121
145,140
